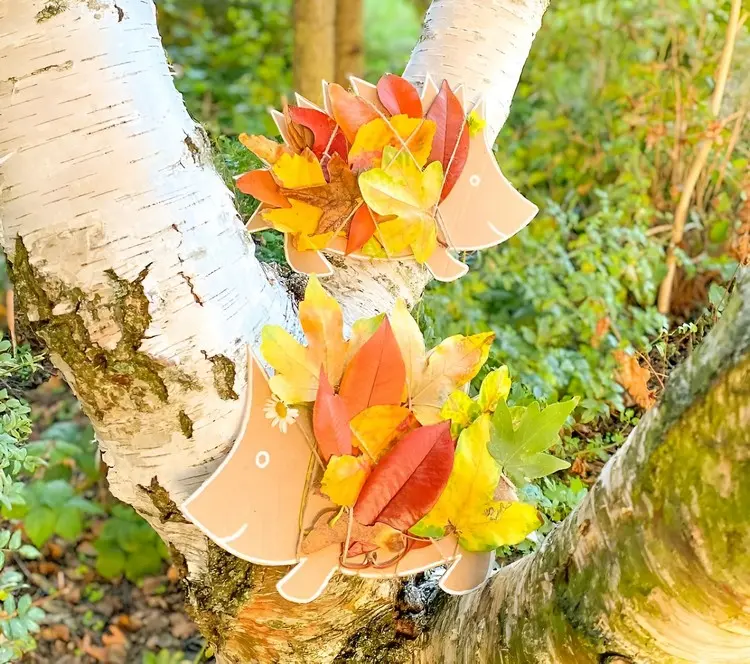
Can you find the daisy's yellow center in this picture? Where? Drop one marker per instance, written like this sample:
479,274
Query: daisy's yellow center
281,410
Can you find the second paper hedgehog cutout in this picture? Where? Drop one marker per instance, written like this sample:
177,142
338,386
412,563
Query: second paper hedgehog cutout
365,456
383,172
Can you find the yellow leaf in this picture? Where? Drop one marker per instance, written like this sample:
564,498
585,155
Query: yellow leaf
373,248
314,242
461,410
450,365
410,342
299,218
400,131
402,190
264,148
297,367
467,504
321,319
299,170
376,428
344,477
476,123
495,387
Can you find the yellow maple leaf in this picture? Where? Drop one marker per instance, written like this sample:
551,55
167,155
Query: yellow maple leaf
400,131
314,242
403,190
300,218
298,170
467,504
297,367
376,428
344,477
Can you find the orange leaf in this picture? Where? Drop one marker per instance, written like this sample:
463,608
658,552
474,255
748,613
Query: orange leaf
376,428
263,148
361,229
376,374
399,96
408,480
338,198
451,143
634,378
331,421
344,477
260,184
349,111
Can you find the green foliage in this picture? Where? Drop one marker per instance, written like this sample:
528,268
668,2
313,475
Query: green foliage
128,546
165,657
521,449
67,448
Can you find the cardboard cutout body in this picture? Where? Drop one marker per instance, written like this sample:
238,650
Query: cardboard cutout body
261,500
482,210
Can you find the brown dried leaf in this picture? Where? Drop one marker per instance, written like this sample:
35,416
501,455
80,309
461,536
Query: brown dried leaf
264,148
602,328
300,137
338,198
324,534
57,632
634,378
114,637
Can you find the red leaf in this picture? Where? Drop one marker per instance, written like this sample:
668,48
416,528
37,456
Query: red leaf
261,185
349,111
322,126
408,480
361,229
376,375
399,96
331,421
451,143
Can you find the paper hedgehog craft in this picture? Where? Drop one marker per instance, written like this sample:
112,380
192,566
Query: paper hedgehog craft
364,456
383,172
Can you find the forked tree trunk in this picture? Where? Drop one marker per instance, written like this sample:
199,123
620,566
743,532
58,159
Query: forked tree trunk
314,46
350,52
130,262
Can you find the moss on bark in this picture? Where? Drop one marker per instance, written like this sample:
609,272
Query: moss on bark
224,375
167,508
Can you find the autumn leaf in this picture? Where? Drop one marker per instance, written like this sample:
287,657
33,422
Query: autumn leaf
494,388
294,171
399,96
328,139
297,136
375,375
344,477
412,135
410,342
461,410
450,365
331,422
476,123
298,367
451,143
634,378
408,480
521,450
260,184
361,229
337,199
297,217
349,111
327,531
467,505
377,428
264,148
362,330
402,189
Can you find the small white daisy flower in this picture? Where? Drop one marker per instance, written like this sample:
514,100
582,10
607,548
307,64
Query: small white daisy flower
280,414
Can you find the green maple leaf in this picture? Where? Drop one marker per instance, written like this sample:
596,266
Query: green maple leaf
521,451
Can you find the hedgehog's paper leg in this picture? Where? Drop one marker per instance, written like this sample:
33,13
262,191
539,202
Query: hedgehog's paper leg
444,266
306,262
467,573
256,221
309,578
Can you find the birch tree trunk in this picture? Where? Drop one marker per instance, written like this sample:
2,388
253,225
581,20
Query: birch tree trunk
131,264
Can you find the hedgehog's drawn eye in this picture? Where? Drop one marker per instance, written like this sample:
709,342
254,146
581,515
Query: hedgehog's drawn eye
262,459
474,180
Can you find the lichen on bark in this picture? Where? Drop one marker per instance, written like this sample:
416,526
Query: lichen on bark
167,508
104,379
50,10
224,375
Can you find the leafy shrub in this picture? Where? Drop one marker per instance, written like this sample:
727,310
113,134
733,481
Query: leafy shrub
128,546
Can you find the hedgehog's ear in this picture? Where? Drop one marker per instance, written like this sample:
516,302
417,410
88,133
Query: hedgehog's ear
468,572
309,578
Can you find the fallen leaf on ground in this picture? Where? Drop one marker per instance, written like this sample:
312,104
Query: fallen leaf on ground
181,626
634,378
57,632
408,480
468,505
